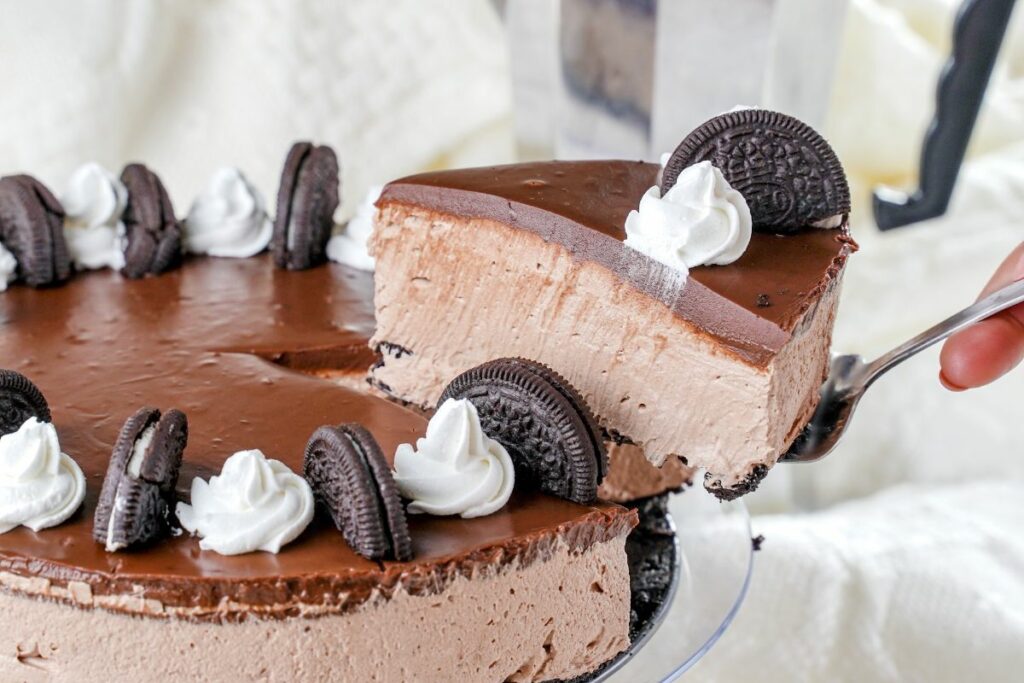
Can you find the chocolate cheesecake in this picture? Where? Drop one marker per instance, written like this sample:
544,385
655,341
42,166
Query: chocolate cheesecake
533,313
719,366
538,590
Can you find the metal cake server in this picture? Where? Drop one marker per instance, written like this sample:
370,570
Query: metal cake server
850,375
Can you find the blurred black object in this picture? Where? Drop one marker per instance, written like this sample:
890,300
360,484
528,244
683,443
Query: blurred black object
977,36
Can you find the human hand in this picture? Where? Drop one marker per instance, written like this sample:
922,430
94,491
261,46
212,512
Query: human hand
986,351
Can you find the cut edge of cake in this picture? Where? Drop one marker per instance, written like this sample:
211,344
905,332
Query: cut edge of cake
455,288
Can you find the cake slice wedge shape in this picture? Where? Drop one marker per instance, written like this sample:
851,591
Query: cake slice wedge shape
720,366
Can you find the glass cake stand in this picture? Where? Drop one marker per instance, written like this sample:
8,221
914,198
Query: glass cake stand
715,558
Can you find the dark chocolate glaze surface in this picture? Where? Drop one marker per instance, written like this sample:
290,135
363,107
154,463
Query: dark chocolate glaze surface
751,306
220,340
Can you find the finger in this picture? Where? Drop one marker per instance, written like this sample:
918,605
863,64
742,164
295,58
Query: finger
988,350
983,352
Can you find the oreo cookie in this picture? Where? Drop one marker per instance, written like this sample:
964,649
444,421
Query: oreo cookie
786,171
541,420
20,399
351,479
306,201
32,228
136,502
153,234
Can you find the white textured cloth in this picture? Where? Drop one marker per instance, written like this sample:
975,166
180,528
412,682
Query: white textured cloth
192,85
918,583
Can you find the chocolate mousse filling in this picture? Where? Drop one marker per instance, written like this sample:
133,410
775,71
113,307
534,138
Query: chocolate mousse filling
198,338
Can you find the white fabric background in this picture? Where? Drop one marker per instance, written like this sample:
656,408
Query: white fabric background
189,85
899,558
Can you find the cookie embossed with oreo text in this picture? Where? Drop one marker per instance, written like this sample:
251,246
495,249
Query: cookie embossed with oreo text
541,420
20,399
788,174
349,476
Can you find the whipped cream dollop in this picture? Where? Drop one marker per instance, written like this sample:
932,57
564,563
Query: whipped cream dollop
40,487
228,219
700,221
455,469
8,268
350,246
254,504
93,205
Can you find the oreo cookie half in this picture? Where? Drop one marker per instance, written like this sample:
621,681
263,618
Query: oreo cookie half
306,201
541,420
154,235
32,228
788,174
20,399
351,479
137,499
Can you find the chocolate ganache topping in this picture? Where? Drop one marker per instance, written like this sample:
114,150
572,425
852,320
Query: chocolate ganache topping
221,339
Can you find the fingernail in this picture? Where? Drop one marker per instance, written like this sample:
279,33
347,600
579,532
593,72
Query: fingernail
952,386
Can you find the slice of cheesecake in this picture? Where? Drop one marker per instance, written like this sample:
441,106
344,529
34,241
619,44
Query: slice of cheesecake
720,367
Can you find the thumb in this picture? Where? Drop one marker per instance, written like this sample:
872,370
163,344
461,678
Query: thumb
989,349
